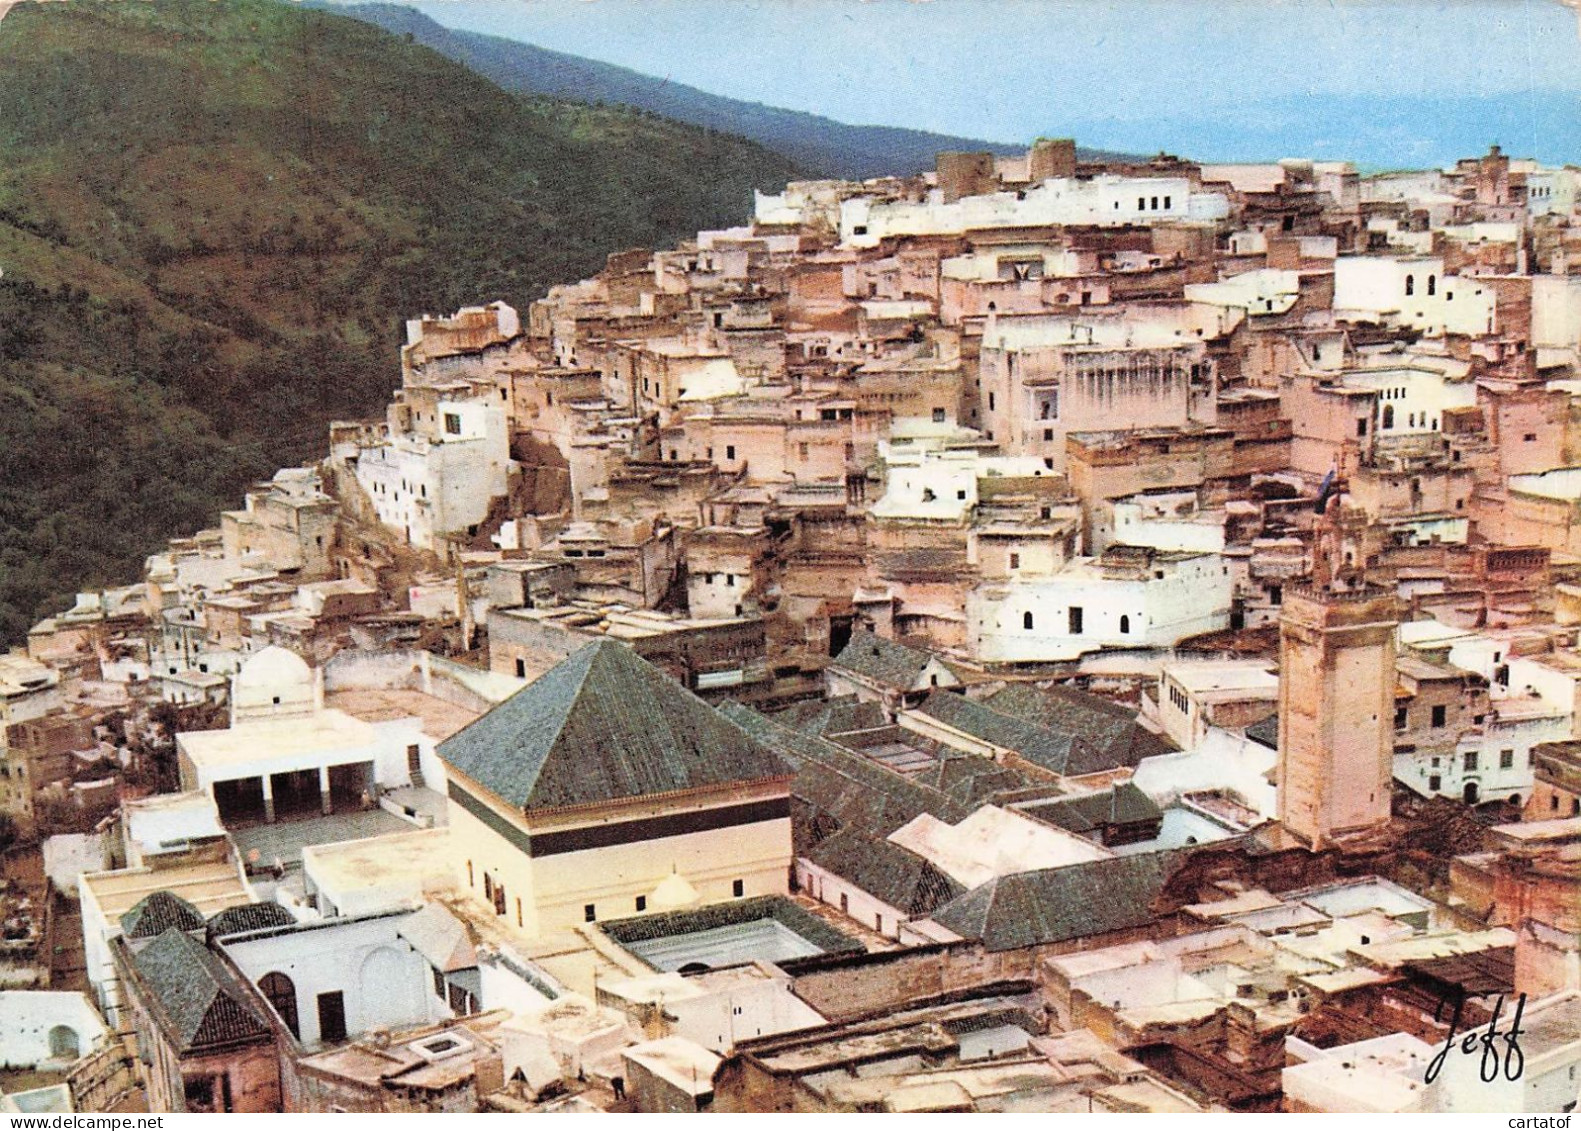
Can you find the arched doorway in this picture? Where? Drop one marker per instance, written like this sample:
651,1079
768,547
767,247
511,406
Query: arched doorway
1469,794
281,993
64,1044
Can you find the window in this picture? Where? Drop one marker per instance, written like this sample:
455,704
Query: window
521,669
938,416
488,887
1432,284
642,903
1125,625
1026,621
1388,416
990,402
1470,762
1410,284
499,899
519,911
1048,434
452,424
469,875
804,451
730,451
1440,715
738,888
1155,204
1400,718
1015,561
1166,202
1435,783
1506,759
1074,617
589,913
1361,426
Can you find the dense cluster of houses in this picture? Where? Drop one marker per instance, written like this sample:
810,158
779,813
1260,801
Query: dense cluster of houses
1036,636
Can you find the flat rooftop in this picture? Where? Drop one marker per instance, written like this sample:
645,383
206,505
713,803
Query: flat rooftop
271,740
210,886
439,718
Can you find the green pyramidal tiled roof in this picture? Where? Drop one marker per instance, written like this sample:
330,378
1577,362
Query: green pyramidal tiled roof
196,1000
602,725
157,913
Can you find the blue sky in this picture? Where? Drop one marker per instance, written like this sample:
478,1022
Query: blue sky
1384,82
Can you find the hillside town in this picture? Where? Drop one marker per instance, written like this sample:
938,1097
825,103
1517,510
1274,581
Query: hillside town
1042,635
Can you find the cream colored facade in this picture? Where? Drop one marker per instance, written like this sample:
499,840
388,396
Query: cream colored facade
551,894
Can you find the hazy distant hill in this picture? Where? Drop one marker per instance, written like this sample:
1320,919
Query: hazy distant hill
213,218
821,144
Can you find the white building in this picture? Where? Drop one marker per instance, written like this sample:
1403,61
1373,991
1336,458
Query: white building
1411,291
1130,598
1103,201
426,487
286,754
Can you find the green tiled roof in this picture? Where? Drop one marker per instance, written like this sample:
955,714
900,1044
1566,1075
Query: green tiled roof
157,913
1110,735
1054,750
1058,904
1084,812
854,791
883,661
604,724
195,999
886,871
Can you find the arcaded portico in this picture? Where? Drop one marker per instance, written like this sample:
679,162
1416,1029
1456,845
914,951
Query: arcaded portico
285,755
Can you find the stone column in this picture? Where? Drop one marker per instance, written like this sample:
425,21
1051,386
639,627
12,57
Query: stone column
268,794
323,791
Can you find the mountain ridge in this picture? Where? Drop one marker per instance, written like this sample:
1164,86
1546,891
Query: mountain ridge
213,219
822,145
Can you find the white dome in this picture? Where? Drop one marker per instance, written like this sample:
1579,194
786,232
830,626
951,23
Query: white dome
276,681
274,667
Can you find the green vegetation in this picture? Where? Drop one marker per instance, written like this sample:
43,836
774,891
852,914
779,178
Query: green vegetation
213,217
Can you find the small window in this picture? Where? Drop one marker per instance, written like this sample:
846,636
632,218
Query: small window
1470,762
1026,621
1410,284
1075,618
589,913
1125,625
1506,759
738,888
1401,719
730,451
453,423
1432,284
642,903
1435,783
521,669
1015,561
1361,426
1440,715
938,416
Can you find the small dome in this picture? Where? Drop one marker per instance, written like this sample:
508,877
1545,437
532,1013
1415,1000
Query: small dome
249,917
274,667
157,913
672,893
275,681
